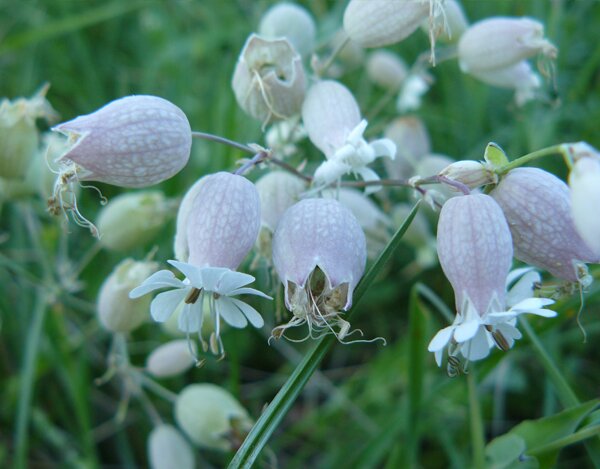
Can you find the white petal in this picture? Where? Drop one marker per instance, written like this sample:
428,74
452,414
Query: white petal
510,333
441,339
232,281
191,272
249,291
330,171
230,312
253,316
368,174
438,356
356,135
191,317
158,280
478,347
531,303
466,331
523,288
165,303
211,277
384,147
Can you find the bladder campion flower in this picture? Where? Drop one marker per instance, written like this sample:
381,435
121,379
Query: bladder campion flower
537,206
475,251
221,228
293,22
319,253
333,122
136,141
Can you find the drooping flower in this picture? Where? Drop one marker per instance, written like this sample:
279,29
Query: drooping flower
268,80
584,181
475,251
332,119
537,206
220,229
499,42
386,69
319,253
136,141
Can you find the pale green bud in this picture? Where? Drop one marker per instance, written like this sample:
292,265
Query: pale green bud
167,449
133,219
211,417
171,359
116,311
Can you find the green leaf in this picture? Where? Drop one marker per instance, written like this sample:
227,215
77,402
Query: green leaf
495,155
269,420
542,438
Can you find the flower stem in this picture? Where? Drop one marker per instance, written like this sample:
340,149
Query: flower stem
553,150
322,69
477,436
224,141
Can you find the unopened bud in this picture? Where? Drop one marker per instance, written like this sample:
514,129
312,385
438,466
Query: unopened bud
167,449
116,311
472,174
292,22
412,142
171,359
268,80
132,219
386,69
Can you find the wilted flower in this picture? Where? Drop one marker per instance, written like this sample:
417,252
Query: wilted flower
116,311
211,417
167,448
411,138
319,253
133,219
475,251
292,22
332,119
537,206
585,200
268,80
386,69
170,359
497,43
19,136
220,229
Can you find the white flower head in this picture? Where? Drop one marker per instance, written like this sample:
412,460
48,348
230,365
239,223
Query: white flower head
218,284
333,122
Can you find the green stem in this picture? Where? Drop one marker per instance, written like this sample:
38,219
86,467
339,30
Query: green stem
224,141
576,437
477,436
553,150
32,345
565,393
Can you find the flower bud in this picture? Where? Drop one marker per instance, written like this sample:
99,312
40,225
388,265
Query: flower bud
537,206
132,219
501,42
585,200
136,141
292,22
211,417
386,69
170,359
268,80
116,311
319,253
376,23
412,142
450,26
223,222
475,250
519,77
167,448
19,136
470,173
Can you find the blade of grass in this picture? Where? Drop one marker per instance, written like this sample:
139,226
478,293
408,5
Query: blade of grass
281,403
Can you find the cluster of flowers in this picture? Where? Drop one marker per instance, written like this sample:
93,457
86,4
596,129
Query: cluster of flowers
316,234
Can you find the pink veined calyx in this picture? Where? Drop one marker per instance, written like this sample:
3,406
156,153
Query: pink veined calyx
475,251
220,225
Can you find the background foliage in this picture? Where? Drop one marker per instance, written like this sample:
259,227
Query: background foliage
368,405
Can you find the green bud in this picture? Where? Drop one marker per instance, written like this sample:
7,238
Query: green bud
495,156
116,311
132,219
167,448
